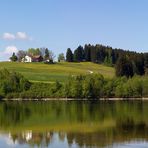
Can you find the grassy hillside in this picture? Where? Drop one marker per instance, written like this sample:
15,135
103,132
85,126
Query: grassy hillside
59,71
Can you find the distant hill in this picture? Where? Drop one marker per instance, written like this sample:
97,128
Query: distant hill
40,72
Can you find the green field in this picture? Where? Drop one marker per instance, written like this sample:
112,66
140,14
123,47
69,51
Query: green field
60,71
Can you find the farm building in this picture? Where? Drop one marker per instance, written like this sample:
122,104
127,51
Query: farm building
28,59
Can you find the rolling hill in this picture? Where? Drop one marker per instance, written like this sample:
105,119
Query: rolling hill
40,72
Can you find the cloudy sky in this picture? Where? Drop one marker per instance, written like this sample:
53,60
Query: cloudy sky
59,24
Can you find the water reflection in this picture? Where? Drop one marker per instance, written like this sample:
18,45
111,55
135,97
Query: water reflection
32,138
73,124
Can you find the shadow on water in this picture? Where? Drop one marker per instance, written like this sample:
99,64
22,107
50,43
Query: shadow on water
81,123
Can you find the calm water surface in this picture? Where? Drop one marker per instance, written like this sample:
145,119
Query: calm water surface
59,124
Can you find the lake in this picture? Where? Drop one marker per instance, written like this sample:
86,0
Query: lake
63,124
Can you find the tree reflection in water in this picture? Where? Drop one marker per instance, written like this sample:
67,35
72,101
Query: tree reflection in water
83,123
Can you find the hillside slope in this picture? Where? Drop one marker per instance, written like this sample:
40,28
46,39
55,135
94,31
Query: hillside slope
59,71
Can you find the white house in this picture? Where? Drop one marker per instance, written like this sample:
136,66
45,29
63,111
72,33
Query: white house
27,59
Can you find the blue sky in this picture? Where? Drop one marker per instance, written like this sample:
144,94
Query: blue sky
59,24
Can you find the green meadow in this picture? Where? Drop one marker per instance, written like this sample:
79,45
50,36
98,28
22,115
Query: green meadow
40,72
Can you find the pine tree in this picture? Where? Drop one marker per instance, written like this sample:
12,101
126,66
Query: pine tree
93,54
46,57
69,55
14,57
108,59
146,63
79,54
124,67
87,49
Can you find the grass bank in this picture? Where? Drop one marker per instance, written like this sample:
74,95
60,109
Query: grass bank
40,72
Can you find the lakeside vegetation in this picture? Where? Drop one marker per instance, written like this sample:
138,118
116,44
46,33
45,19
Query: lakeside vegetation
91,72
91,86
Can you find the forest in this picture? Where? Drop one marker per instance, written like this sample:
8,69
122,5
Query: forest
127,63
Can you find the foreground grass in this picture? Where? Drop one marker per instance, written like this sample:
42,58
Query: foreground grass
40,72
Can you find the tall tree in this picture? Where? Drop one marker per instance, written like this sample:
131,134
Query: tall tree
38,52
13,58
76,56
34,52
46,55
101,54
79,54
51,55
87,49
138,63
108,58
42,51
21,54
124,67
93,54
146,63
69,55
61,57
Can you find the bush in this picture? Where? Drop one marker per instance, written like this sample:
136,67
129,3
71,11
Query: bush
12,82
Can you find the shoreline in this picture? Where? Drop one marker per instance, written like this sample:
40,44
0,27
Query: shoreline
74,99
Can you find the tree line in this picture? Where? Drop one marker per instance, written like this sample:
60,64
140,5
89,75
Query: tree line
92,86
45,53
127,63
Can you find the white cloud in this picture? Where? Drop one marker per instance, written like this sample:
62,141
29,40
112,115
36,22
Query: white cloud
10,49
8,36
5,54
18,35
21,36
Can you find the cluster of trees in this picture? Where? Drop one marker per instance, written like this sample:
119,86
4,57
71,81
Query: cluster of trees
11,82
127,63
96,86
92,86
45,53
